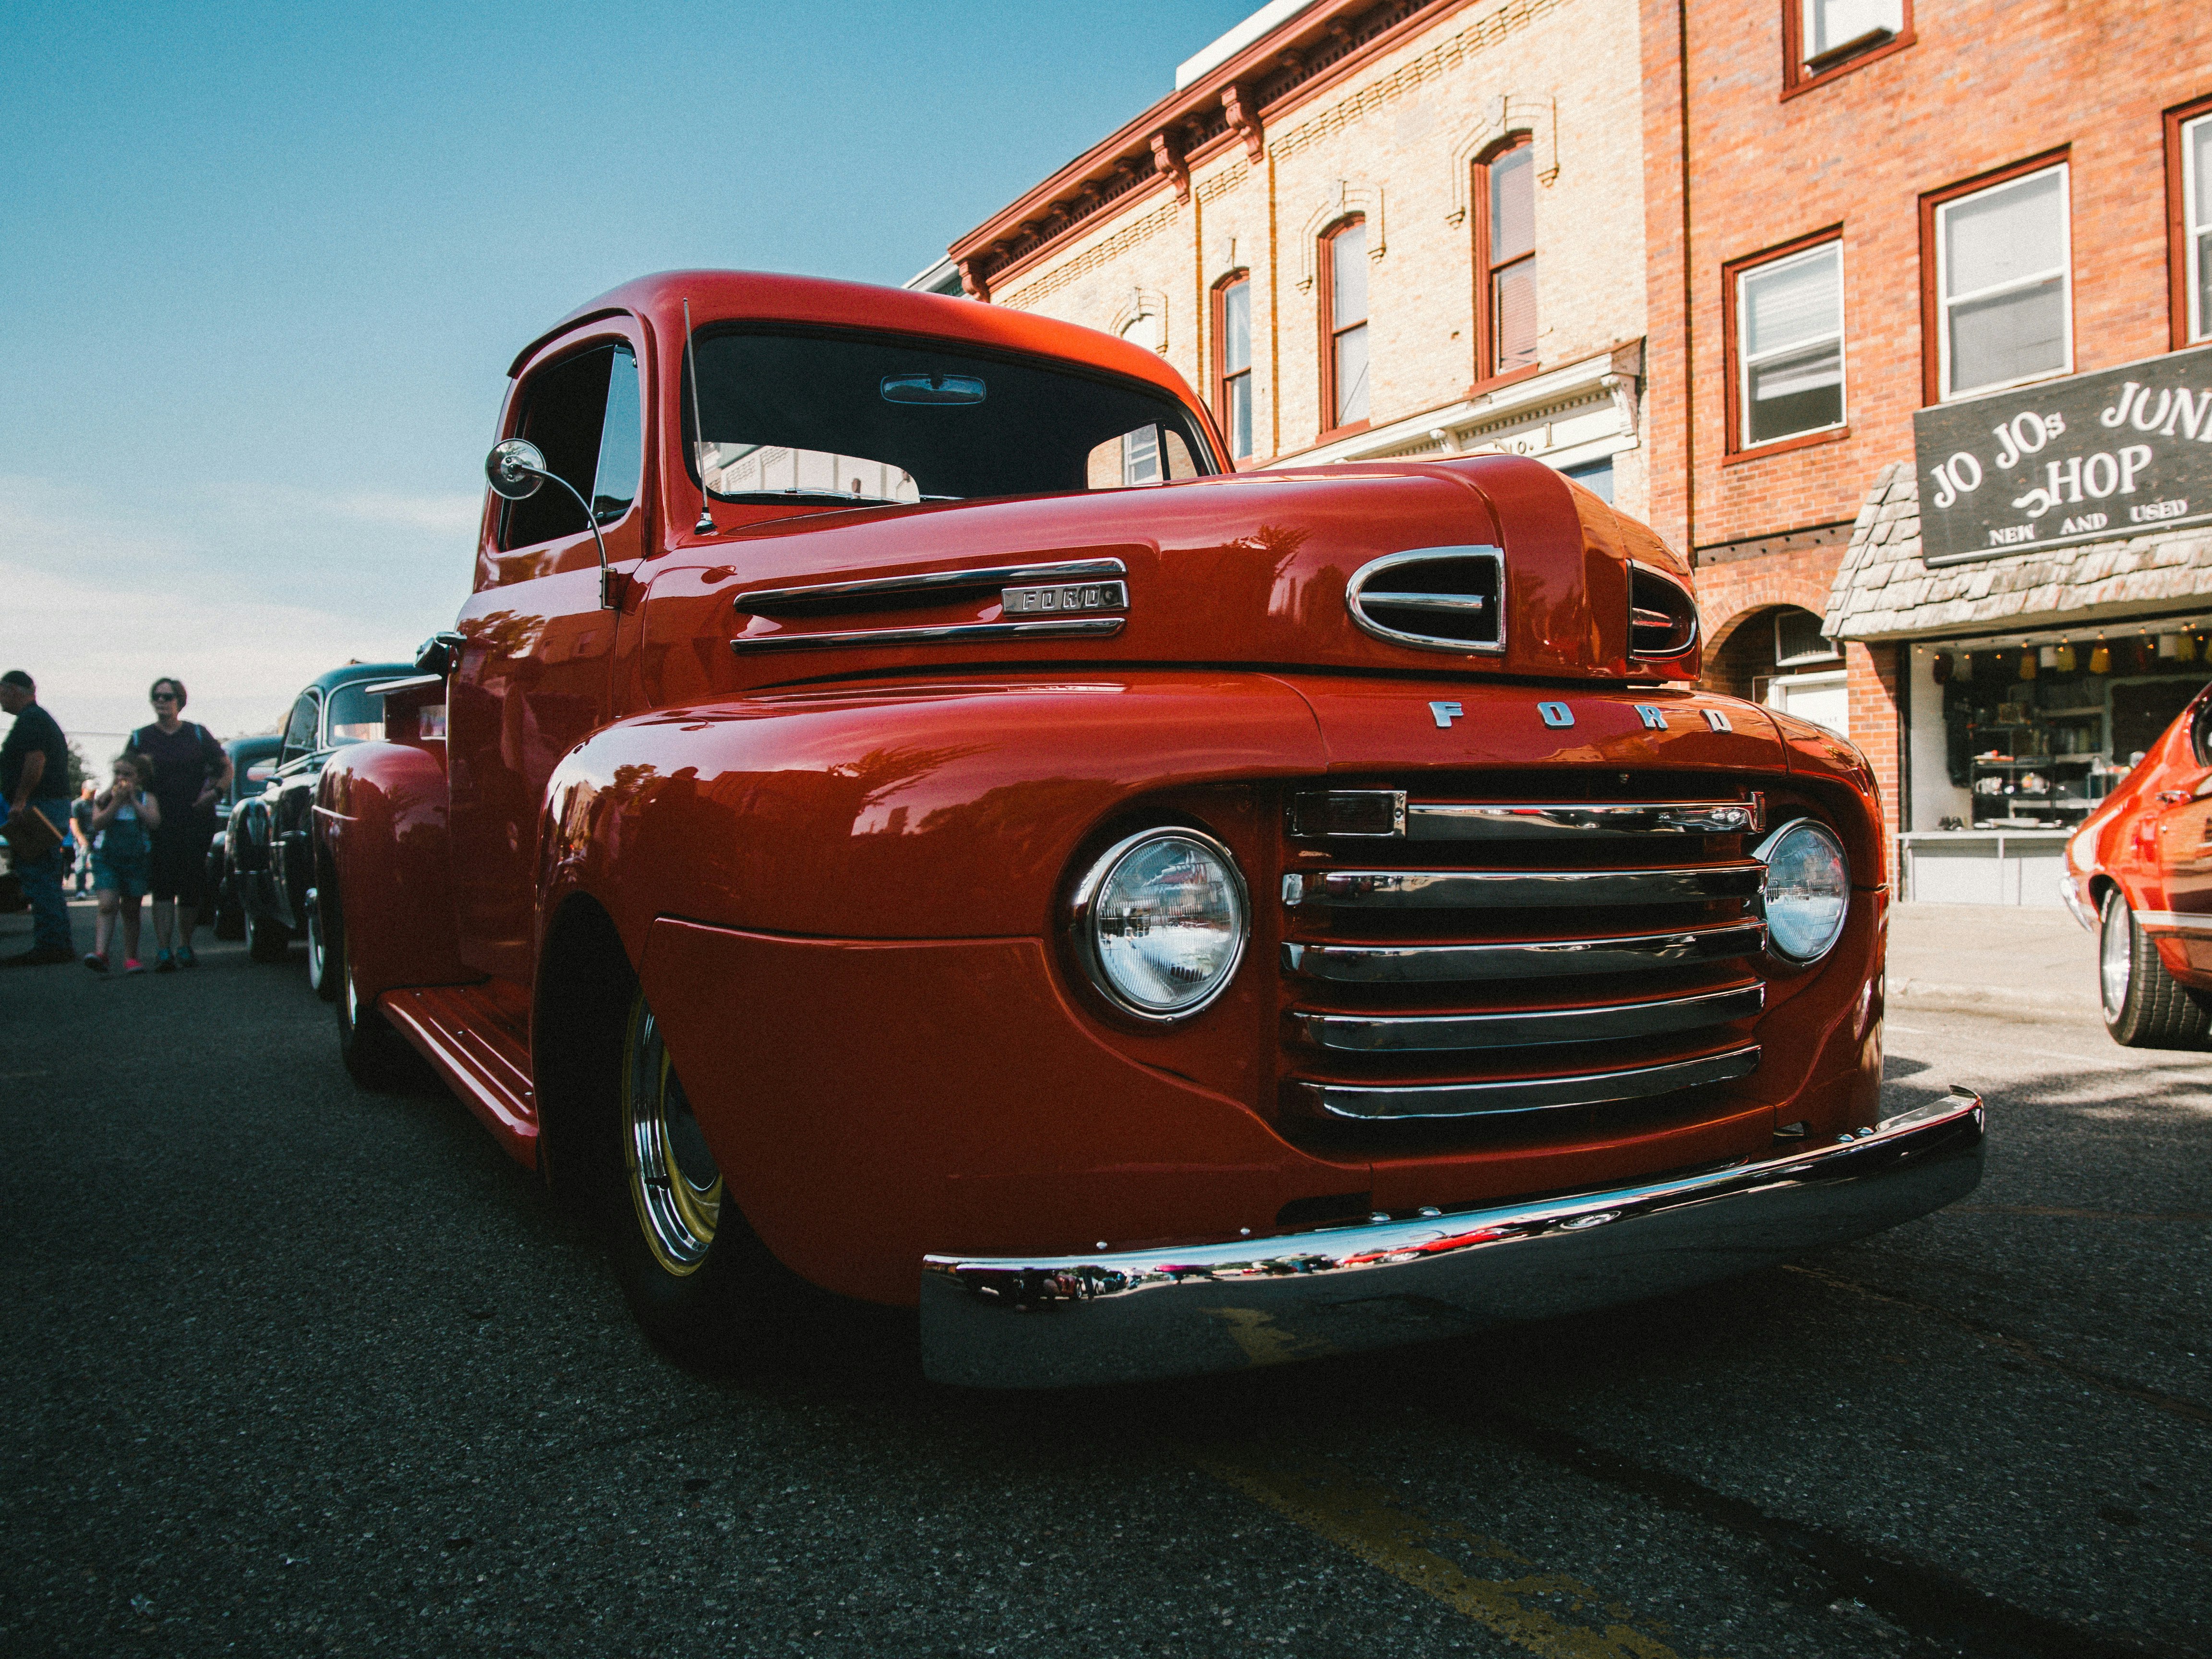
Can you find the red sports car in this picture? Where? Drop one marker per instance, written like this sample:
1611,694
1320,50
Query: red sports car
2139,874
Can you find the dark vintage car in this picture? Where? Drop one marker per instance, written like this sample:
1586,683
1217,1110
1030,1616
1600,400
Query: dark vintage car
266,840
252,763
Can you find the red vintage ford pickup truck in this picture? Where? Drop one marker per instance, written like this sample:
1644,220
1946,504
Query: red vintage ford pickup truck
899,810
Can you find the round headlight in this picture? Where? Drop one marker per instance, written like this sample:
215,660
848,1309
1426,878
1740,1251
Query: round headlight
1809,889
1161,920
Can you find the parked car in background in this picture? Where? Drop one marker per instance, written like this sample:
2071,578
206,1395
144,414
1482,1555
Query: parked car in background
2139,875
265,841
252,763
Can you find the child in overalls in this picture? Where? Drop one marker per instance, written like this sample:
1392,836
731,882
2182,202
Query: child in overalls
124,815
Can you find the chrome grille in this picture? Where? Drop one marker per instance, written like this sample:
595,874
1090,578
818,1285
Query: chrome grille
1464,959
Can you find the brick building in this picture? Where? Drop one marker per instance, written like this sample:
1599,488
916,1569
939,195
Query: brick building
1737,279
1881,223
1368,227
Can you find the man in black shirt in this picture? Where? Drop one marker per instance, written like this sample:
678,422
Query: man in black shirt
34,776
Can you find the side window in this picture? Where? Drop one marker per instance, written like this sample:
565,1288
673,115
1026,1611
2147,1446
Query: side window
1786,342
564,407
1232,348
622,441
2200,730
2003,304
1344,322
299,729
1823,38
1144,454
2189,162
1505,255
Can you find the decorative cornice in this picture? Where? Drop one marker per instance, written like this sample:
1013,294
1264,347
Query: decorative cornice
1232,101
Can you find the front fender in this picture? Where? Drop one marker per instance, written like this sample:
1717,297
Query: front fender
380,818
893,812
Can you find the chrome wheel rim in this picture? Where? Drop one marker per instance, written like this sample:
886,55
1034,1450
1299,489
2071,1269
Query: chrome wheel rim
349,991
2116,955
673,1184
317,965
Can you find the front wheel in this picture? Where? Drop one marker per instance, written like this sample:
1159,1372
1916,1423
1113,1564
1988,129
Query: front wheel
2144,1005
375,1055
322,977
267,940
697,1276
229,914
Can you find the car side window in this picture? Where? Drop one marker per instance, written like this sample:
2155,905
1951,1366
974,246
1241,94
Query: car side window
2200,730
622,441
564,410
299,729
1148,455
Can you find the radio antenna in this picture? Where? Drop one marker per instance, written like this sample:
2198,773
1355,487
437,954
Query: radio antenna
706,525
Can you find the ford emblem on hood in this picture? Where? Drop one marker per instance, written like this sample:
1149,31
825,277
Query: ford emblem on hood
1440,599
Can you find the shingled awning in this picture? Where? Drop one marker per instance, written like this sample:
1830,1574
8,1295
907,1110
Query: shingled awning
1883,590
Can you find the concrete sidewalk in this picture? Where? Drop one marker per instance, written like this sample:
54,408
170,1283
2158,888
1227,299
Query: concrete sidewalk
1991,958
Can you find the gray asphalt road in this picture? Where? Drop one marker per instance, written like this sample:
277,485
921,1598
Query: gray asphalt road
291,1368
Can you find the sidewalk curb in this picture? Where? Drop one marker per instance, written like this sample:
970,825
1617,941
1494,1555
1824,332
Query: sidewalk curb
1935,995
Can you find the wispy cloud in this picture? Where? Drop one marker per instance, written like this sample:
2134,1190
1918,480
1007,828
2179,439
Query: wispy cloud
244,594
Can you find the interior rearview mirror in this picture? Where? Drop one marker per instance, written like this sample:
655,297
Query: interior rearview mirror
516,468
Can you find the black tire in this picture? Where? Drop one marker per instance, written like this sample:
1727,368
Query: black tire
266,940
376,1056
229,914
697,1276
2144,1005
322,970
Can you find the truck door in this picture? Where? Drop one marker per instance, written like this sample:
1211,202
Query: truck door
535,677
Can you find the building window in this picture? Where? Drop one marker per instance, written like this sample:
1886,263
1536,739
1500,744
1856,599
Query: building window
1822,38
1344,322
1596,476
1232,362
2189,193
1786,336
2001,306
1505,260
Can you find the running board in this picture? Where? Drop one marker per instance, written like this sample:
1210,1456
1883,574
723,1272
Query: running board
469,1038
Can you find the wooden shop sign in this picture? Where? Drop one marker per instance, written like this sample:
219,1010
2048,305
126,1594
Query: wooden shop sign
2092,457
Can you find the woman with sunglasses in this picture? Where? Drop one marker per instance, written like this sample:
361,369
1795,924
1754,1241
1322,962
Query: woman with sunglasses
191,769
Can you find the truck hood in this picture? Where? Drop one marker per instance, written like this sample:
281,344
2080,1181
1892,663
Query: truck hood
1255,567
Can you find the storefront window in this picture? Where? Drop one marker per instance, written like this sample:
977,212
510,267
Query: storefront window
2036,732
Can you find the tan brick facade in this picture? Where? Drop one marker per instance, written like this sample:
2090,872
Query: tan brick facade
1393,133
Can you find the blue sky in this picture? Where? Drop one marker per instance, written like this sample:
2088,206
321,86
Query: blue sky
263,269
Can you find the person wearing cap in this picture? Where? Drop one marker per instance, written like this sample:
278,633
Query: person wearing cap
35,777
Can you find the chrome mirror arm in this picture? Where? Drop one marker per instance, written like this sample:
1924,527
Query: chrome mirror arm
516,468
592,520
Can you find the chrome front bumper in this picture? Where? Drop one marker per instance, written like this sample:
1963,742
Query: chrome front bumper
1022,1323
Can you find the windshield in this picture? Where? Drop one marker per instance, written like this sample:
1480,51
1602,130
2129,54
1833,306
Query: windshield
355,716
818,415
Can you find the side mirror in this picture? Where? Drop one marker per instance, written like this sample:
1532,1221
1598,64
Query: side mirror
515,468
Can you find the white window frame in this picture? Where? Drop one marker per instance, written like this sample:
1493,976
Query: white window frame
2193,234
1744,362
1945,299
